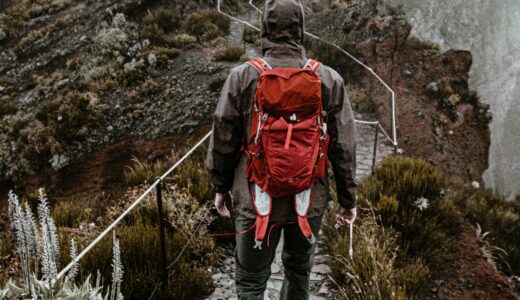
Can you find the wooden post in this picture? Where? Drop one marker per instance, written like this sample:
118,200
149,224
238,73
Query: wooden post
375,149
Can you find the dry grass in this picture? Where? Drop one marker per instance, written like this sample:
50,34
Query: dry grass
420,44
360,99
403,232
230,54
374,272
206,25
7,249
7,107
397,190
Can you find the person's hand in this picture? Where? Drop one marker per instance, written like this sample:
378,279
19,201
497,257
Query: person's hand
220,205
345,216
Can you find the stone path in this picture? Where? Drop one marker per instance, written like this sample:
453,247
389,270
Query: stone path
320,287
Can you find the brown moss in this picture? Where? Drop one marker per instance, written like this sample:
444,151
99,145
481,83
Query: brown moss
206,24
420,44
230,54
216,83
7,106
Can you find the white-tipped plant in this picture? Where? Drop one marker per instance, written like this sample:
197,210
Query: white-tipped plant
117,270
33,243
51,251
18,221
32,234
71,276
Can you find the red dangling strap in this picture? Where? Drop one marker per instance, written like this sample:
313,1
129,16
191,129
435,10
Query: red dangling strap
273,226
261,227
288,138
305,227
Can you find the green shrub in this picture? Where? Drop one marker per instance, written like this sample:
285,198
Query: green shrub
403,232
496,215
373,272
206,24
191,177
407,194
230,54
182,40
60,290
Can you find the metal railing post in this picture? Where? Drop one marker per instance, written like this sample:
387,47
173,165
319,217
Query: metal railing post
375,150
163,259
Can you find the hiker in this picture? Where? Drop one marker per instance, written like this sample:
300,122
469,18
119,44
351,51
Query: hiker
243,163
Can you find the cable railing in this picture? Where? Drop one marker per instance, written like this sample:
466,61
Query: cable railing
164,267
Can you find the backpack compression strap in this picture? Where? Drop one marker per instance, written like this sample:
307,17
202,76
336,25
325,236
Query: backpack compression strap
312,65
260,65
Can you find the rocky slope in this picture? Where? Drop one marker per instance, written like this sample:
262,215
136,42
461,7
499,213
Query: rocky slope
490,31
439,118
78,75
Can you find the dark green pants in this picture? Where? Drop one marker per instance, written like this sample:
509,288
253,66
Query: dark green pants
253,266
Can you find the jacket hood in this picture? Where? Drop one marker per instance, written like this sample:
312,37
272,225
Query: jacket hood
283,27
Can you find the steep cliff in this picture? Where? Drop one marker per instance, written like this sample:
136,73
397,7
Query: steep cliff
439,118
489,29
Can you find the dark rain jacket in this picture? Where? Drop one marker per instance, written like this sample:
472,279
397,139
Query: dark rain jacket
282,46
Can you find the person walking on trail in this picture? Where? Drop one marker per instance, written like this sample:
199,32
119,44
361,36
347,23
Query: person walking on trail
279,121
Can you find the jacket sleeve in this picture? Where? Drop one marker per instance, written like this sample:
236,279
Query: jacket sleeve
342,150
226,140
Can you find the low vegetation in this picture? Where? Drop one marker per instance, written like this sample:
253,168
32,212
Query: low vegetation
405,228
360,99
498,219
206,25
420,44
186,195
408,217
38,249
451,92
230,54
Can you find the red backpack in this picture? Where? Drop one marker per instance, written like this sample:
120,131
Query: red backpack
287,148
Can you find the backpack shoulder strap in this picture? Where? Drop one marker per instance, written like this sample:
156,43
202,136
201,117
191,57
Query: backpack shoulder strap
312,65
260,65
